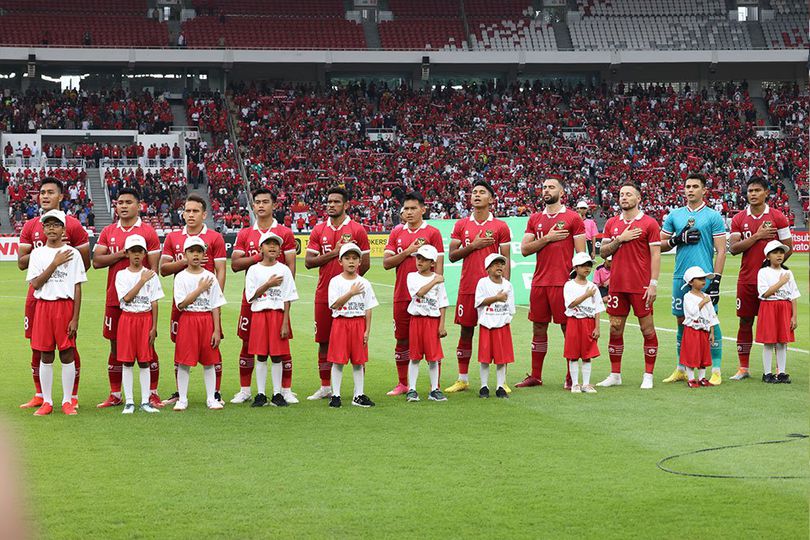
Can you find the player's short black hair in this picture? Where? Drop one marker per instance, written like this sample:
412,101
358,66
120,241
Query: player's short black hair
484,184
129,191
558,177
337,190
759,180
632,185
264,191
697,176
54,181
414,196
197,199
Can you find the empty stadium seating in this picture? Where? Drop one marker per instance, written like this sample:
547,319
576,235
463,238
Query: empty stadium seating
650,8
271,32
512,34
134,7
276,8
423,34
70,29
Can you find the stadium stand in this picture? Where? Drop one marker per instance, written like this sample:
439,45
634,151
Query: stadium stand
162,193
788,28
277,8
87,29
207,112
22,190
504,26
424,24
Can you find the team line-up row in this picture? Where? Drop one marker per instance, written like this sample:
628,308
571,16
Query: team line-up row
55,253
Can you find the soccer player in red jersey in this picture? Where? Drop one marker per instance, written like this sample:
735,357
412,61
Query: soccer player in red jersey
51,193
246,253
400,254
751,230
172,261
553,235
472,239
109,253
323,249
634,241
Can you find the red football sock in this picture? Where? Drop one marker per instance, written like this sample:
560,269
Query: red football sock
114,373
286,372
402,359
650,351
615,351
539,350
218,373
154,371
324,369
745,335
78,364
35,358
246,361
464,353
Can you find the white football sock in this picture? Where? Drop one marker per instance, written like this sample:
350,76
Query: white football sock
126,383
261,377
433,371
500,374
359,377
183,376
413,374
46,381
767,358
337,378
275,374
464,377
68,378
145,379
586,372
781,357
701,373
690,373
573,367
210,379
245,389
484,369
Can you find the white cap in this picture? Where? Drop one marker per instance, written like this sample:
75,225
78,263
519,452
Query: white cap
134,240
770,246
428,252
695,272
55,214
609,258
351,246
492,257
583,204
194,241
581,258
270,236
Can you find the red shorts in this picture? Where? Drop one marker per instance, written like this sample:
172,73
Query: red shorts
174,322
245,316
50,328
495,345
773,322
132,341
423,339
547,304
265,337
747,300
619,303
696,350
346,341
323,322
30,308
402,320
466,314
111,316
194,340
579,342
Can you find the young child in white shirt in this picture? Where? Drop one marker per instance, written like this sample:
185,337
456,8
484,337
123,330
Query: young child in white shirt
495,302
698,327
583,304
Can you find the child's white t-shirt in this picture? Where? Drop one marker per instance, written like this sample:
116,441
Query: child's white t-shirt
432,302
61,285
274,297
767,278
588,308
357,304
185,282
498,314
151,291
696,317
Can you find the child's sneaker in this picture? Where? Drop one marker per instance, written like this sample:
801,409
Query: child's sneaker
484,392
259,401
129,408
278,401
769,378
398,390
588,389
783,378
44,410
335,402
148,408
180,405
704,382
436,395
693,383
411,396
362,401
501,392
214,405
69,409
111,401
241,397
576,389
289,396
218,397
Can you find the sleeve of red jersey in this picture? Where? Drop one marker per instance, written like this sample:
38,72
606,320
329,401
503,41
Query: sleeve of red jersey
152,242
391,245
782,226
103,239
735,224
239,245
458,231
530,225
505,234
217,249
362,240
577,226
168,248
77,234
314,242
653,233
288,242
437,241
25,234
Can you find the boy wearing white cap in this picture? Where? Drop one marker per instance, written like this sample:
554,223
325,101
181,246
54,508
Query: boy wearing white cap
427,311
138,290
495,303
198,297
56,273
351,300
698,327
270,288
583,304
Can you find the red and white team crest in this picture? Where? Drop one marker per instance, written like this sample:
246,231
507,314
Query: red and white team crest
346,237
611,350
651,350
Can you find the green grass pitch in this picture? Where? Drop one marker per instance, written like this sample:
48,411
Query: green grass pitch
544,463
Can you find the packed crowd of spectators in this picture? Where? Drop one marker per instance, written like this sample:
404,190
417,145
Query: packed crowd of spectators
788,108
208,112
162,193
94,154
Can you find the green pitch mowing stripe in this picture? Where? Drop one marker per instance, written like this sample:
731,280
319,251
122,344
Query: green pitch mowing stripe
544,463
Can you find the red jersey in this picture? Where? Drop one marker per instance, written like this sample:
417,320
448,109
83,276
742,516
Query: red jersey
33,233
632,264
323,239
745,224
466,230
554,260
399,239
247,240
113,237
173,246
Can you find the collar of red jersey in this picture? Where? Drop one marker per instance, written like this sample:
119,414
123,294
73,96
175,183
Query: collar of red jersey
346,220
557,213
137,224
748,211
638,217
419,228
490,217
272,225
203,231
